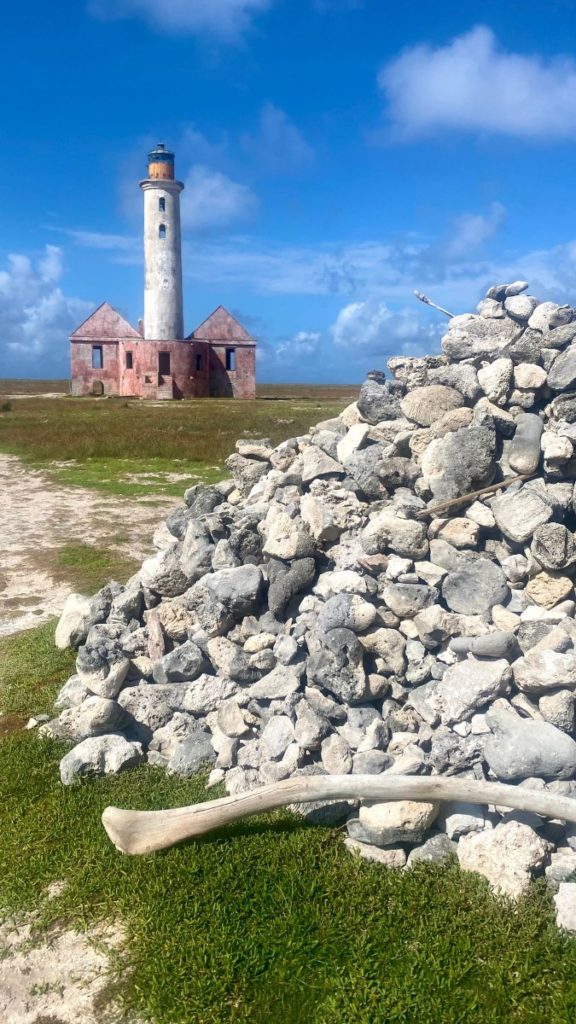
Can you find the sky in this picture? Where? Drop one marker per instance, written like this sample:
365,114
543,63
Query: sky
336,155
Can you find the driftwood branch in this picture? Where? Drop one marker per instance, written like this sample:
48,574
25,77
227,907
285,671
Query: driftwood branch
464,498
139,832
428,302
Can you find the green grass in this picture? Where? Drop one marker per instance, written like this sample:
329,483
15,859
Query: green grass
268,922
86,567
102,444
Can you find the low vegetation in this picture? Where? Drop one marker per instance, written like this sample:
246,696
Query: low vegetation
136,448
86,567
270,921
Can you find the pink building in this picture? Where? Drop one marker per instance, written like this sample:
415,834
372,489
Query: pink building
110,357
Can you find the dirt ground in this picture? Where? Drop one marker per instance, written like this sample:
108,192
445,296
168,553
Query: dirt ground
37,515
62,977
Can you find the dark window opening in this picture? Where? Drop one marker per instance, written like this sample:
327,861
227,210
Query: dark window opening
162,231
97,357
230,358
198,362
164,363
129,362
161,204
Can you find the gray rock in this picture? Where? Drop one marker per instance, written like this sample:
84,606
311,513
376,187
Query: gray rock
387,529
223,597
315,463
507,856
95,716
458,818
280,682
79,615
407,599
276,737
473,336
163,573
183,664
520,307
463,689
336,755
518,512
285,581
146,708
565,901
554,546
561,336
424,405
462,376
99,755
286,650
521,749
558,709
72,693
347,611
192,754
459,462
370,762
397,471
286,538
310,728
492,645
439,849
524,452
379,399
364,469
476,588
391,857
549,315
402,821
338,666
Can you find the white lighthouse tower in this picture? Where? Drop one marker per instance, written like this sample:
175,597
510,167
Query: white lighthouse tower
163,308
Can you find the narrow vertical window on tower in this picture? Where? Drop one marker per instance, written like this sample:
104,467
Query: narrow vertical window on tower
97,357
162,231
162,204
230,358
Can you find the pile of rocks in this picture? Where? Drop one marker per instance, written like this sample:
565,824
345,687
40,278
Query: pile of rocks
318,613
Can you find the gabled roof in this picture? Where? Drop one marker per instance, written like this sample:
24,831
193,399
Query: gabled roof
105,323
222,327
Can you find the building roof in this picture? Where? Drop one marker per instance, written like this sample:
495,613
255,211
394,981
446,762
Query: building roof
105,323
222,328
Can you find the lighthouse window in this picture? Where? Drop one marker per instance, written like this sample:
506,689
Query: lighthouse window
129,361
162,231
230,358
97,357
198,362
161,204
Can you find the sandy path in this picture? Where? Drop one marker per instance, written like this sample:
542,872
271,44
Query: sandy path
37,515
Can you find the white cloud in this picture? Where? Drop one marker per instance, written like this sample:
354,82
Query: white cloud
35,315
473,84
472,230
278,144
212,202
304,343
373,328
227,19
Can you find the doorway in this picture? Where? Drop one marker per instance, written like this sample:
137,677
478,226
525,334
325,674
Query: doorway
164,364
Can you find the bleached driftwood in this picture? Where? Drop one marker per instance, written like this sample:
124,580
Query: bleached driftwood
138,832
428,302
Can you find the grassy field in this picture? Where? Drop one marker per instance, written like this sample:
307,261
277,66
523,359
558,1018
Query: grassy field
132,447
268,922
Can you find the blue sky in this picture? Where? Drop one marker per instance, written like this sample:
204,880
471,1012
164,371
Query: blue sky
337,154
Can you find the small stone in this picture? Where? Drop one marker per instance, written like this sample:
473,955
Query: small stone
475,588
549,315
547,589
458,818
424,405
99,755
507,856
391,857
519,512
520,307
529,375
276,737
522,749
402,821
336,755
565,900
437,850
558,709
495,379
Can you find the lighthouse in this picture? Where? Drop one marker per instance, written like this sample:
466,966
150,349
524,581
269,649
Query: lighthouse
163,308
